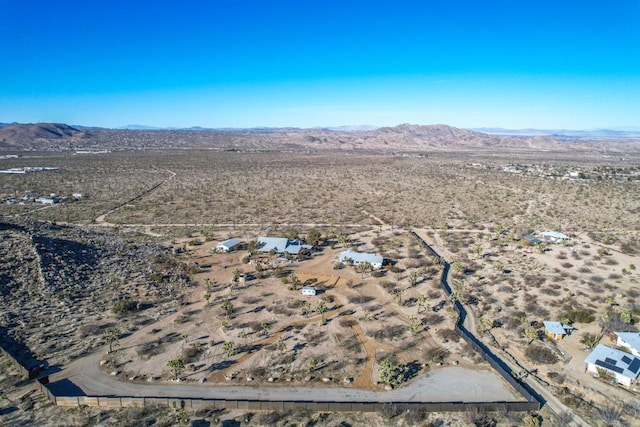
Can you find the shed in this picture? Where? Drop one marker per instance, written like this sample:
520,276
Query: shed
554,330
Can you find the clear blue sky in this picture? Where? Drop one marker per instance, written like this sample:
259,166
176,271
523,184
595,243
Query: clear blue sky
234,63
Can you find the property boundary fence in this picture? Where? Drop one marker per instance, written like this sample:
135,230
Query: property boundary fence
532,403
496,363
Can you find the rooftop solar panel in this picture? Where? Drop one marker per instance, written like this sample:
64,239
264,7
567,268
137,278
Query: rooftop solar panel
635,365
609,366
626,359
610,361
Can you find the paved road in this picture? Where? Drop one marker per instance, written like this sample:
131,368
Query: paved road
446,384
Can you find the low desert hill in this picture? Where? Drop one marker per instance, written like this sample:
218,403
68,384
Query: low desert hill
38,135
401,138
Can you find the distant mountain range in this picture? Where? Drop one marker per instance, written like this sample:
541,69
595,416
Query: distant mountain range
401,138
591,133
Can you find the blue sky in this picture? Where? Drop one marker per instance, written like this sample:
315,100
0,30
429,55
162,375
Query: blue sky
234,63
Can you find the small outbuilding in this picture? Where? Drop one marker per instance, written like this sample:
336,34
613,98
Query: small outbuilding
554,330
309,291
227,245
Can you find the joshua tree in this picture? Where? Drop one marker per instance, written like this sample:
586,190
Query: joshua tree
531,333
281,346
422,301
207,297
112,337
311,365
236,275
313,237
184,337
364,267
415,324
266,327
229,348
176,365
227,307
321,308
477,249
413,277
305,307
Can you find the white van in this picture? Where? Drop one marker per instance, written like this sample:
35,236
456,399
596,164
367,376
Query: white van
309,290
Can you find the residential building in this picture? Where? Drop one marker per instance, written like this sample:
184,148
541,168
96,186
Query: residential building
356,258
281,245
227,245
629,340
623,367
553,236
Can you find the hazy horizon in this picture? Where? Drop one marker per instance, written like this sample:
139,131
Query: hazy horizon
248,64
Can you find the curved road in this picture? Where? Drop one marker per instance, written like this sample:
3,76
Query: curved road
449,384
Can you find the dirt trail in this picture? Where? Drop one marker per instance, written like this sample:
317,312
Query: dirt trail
101,219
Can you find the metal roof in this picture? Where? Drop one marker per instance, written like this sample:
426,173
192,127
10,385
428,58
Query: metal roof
554,235
554,327
615,361
281,245
359,257
631,338
229,243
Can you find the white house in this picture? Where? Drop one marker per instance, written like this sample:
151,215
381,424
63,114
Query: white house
553,236
227,245
630,340
356,258
281,245
624,367
46,200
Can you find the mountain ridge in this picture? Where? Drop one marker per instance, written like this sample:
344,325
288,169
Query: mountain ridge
403,137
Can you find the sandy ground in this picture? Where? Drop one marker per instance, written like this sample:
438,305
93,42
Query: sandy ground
305,337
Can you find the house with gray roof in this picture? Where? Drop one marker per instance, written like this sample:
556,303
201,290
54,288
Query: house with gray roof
629,340
623,367
281,245
356,258
227,245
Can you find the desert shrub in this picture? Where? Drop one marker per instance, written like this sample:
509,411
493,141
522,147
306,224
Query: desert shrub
93,329
436,355
122,306
579,315
360,299
390,332
557,377
448,335
540,354
347,323
149,349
